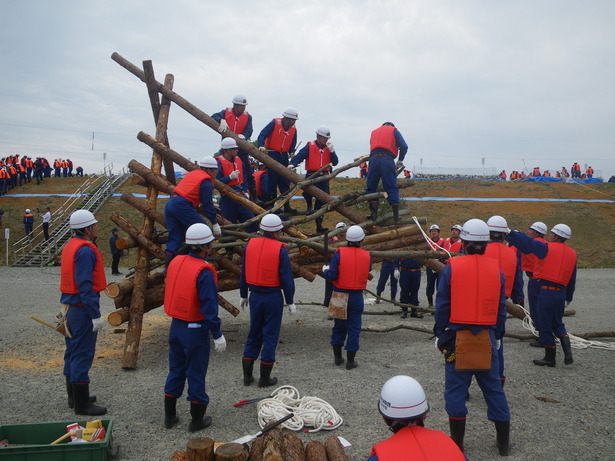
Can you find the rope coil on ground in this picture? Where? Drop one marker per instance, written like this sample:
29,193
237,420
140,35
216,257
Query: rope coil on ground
311,412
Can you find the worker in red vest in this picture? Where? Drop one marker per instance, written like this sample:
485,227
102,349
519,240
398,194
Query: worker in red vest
266,274
261,179
317,154
503,175
556,271
536,172
403,406
64,165
589,172
435,242
453,243
536,231
279,139
471,301
191,299
82,278
57,167
363,170
349,271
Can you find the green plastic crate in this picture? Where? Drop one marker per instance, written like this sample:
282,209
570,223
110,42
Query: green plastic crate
34,440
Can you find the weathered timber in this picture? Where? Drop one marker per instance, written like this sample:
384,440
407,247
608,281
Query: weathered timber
150,177
124,287
138,236
231,452
293,448
273,445
125,243
335,450
256,450
145,207
315,451
200,449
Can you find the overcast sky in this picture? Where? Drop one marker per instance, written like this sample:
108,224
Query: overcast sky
519,84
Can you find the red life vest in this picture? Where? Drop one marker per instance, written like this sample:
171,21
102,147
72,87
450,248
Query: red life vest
57,164
558,265
353,269
317,157
12,170
228,167
258,182
439,242
190,186
453,247
507,259
383,138
236,124
590,170
417,443
3,174
64,164
475,290
181,294
262,262
536,172
363,165
68,284
280,140
529,260
28,163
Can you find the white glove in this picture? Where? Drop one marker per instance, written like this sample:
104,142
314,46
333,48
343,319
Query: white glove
290,167
292,308
263,149
240,136
330,146
243,303
498,344
435,343
223,126
97,324
399,164
396,274
325,268
220,344
234,174
216,230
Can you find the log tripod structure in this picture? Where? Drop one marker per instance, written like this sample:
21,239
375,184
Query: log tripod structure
145,291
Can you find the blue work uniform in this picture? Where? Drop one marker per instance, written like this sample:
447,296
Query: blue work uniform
324,185
234,211
387,271
409,281
382,167
276,181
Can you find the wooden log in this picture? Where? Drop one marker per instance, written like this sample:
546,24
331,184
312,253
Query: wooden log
223,303
138,180
273,445
256,450
231,452
335,450
152,178
145,207
293,448
179,455
200,449
125,243
315,451
124,287
138,236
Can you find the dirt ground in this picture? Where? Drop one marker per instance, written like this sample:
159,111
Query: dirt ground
575,421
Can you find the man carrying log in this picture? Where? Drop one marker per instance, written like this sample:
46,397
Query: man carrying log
317,154
191,299
266,273
81,280
196,188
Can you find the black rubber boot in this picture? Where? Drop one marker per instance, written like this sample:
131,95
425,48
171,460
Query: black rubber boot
266,380
536,343
565,340
170,413
288,209
502,429
395,209
337,355
404,313
430,301
548,360
393,294
308,204
416,314
378,300
319,226
373,208
350,363
248,366
199,420
83,406
458,431
69,392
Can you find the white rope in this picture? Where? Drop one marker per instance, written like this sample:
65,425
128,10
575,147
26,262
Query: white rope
311,412
433,245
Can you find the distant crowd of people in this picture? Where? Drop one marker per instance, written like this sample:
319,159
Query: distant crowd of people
16,171
575,173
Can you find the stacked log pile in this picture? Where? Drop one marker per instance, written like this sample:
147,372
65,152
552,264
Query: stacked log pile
135,296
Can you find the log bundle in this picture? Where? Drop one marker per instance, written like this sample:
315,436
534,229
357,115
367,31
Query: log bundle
135,296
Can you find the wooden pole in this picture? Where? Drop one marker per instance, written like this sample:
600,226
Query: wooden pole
144,206
138,236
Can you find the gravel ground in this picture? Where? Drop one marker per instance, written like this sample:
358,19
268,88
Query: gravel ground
578,424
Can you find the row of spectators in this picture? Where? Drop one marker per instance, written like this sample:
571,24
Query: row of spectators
15,171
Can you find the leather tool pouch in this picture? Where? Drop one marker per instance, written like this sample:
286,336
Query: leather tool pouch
338,306
473,352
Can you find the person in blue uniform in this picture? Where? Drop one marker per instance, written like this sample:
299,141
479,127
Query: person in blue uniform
239,121
403,406
409,285
231,171
279,140
435,243
388,269
556,274
191,299
28,221
82,278
385,146
180,211
349,271
116,253
471,296
267,276
316,155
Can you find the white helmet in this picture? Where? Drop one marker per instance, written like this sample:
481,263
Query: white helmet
198,233
291,113
434,226
208,162
340,224
81,219
228,143
402,397
475,230
456,226
498,224
323,130
355,234
271,223
539,227
562,230
27,210
240,99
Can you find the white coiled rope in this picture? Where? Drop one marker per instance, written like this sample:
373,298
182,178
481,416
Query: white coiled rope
310,412
433,245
